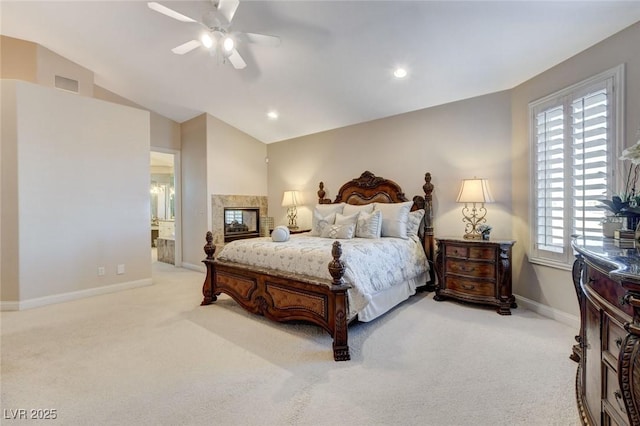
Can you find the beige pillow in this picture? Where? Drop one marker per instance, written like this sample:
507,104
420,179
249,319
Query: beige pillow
369,225
322,213
394,218
339,231
346,220
350,209
321,222
413,224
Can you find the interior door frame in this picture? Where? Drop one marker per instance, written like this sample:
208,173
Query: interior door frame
177,184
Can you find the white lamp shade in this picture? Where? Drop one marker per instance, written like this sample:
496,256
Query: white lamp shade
291,198
475,191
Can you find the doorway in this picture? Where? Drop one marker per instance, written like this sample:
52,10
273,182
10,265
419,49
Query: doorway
164,198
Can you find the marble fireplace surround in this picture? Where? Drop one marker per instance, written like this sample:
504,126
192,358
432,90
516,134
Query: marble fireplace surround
219,202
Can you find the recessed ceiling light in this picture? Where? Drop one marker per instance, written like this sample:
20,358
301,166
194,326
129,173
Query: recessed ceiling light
400,73
273,115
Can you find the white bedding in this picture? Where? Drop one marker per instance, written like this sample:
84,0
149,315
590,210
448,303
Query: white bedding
373,266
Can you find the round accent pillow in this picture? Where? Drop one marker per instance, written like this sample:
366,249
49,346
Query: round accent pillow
280,234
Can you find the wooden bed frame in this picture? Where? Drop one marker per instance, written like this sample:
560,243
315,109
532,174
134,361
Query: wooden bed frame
282,296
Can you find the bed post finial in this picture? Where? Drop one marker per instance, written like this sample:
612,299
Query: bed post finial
321,193
336,266
428,186
209,248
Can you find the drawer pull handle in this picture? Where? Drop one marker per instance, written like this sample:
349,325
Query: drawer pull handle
468,287
618,396
619,342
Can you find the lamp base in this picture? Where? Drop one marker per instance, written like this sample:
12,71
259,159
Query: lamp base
472,236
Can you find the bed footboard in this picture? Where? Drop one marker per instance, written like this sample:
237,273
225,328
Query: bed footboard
283,296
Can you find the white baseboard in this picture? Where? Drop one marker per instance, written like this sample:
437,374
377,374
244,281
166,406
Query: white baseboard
73,295
192,267
549,312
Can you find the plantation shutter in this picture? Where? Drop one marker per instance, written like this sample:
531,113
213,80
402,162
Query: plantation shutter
550,179
573,140
589,118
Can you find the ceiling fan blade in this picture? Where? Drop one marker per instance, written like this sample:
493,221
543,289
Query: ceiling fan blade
228,8
236,60
186,47
267,40
169,12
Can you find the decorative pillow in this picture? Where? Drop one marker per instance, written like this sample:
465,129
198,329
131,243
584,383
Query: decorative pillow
369,225
280,234
394,218
339,231
346,220
350,209
323,212
413,224
320,222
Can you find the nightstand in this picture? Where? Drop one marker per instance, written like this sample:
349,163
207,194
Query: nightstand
476,271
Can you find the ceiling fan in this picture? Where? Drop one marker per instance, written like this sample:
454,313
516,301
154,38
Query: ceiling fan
217,36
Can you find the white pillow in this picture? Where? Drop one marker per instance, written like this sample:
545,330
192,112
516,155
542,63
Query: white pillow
280,234
369,225
320,222
346,220
350,209
413,224
345,231
322,213
394,218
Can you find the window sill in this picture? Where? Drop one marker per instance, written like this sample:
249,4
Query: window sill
551,264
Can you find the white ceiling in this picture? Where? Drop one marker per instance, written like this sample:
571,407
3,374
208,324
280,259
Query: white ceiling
334,65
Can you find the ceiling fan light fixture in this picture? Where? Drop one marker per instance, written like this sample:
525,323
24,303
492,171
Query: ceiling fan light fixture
206,40
228,44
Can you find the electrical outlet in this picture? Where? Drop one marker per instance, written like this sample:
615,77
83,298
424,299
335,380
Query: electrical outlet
101,271
120,270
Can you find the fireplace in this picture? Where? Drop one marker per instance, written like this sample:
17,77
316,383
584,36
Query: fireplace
241,222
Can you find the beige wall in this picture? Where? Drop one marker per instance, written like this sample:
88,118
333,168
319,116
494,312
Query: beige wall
195,197
452,142
216,159
18,59
51,64
9,289
165,133
82,186
549,286
235,161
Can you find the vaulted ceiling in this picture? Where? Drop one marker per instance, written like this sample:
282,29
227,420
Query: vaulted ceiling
334,65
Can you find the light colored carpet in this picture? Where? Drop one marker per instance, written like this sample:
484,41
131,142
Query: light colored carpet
154,356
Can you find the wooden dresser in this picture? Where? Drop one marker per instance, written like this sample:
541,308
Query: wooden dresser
607,282
476,271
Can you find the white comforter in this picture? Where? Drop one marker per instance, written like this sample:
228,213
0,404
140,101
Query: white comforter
372,265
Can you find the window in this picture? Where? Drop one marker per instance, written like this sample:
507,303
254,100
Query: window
574,151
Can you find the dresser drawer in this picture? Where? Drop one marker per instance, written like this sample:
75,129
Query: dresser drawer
606,288
471,252
612,393
456,251
471,287
614,335
474,269
483,253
